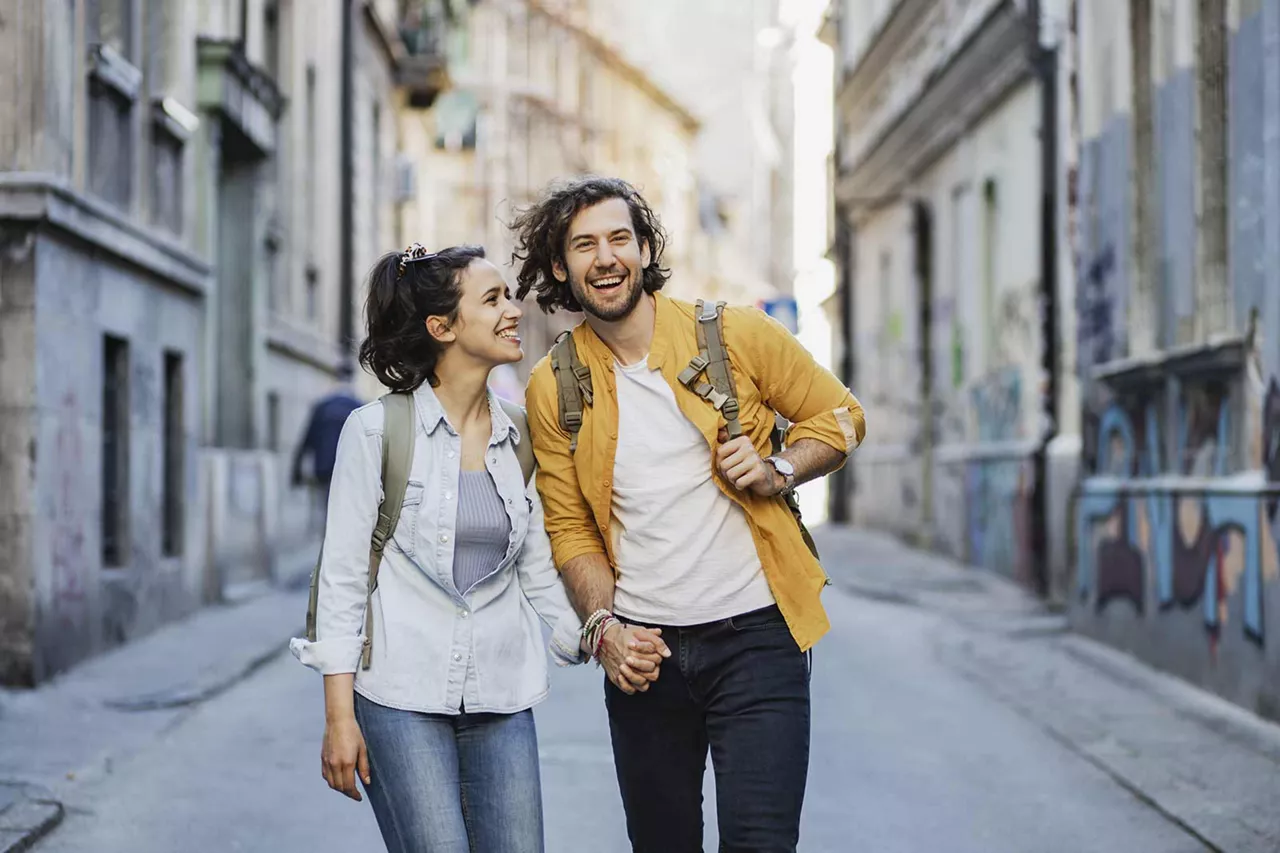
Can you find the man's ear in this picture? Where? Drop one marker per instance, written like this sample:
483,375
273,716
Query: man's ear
438,328
558,270
645,255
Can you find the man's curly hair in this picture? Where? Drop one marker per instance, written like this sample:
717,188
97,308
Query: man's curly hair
542,229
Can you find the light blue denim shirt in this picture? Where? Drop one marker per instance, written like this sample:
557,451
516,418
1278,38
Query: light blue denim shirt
433,648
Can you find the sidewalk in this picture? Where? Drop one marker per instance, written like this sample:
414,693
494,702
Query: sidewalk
73,729
1209,766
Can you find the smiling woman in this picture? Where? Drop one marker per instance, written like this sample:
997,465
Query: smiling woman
431,649
420,304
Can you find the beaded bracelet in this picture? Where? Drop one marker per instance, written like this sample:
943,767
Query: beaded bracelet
593,631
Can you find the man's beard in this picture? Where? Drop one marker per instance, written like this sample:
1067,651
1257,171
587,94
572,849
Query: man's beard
584,293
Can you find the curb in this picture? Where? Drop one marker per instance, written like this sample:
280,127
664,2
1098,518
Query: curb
200,690
28,817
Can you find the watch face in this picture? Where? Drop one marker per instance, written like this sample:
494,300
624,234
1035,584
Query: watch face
784,467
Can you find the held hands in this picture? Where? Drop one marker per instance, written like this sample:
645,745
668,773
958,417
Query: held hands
343,755
739,463
631,656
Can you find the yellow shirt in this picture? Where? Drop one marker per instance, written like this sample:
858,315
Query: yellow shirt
772,372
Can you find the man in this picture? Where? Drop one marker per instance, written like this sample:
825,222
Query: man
320,442
658,519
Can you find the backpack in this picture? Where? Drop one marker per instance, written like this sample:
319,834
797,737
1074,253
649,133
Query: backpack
573,387
397,460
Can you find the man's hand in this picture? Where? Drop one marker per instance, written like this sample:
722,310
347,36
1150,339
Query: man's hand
631,656
738,461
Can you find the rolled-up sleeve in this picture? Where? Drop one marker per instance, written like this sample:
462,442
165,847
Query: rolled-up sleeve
793,384
569,522
542,586
354,496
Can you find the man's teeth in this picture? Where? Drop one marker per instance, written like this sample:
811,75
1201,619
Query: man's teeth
608,282
509,333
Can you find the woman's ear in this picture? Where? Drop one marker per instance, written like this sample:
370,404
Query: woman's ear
438,328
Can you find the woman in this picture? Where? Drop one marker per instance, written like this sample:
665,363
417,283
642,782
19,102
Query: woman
439,727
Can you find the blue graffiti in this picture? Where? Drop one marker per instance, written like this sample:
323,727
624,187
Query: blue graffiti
1186,570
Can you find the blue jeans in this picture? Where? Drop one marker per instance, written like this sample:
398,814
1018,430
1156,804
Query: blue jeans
740,687
453,784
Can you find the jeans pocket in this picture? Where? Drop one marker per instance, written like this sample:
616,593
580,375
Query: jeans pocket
765,619
406,531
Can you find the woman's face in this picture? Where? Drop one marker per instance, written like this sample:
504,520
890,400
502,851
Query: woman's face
487,328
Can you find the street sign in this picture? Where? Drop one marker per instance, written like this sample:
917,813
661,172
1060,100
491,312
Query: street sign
784,310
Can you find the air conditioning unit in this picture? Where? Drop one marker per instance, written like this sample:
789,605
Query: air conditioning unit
406,186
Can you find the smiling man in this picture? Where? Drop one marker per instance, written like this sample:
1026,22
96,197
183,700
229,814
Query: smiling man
656,518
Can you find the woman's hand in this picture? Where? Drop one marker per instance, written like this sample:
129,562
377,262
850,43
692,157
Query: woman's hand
343,755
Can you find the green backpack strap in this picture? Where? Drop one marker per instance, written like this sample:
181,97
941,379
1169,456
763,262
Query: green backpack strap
524,447
713,360
719,390
573,385
397,459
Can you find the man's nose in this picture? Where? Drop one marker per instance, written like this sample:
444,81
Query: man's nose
604,256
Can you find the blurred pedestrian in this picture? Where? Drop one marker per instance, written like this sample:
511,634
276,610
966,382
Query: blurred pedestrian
430,673
661,514
320,441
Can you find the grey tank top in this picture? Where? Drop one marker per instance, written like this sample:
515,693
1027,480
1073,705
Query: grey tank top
482,530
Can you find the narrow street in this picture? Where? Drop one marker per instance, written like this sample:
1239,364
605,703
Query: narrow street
910,753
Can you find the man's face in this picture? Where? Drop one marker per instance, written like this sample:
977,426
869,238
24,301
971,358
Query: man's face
604,262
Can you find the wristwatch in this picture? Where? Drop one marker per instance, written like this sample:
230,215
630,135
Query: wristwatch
787,470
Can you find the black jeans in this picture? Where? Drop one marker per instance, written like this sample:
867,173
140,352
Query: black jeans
741,687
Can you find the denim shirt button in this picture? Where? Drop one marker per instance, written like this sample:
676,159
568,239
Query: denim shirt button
444,537
457,657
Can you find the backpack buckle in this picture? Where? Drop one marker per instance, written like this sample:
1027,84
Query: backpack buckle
573,421
729,409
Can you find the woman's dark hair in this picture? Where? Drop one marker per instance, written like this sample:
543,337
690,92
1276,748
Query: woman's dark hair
399,350
542,229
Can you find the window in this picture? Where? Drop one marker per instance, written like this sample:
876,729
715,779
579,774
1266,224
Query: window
114,86
110,144
271,38
273,421
274,242
115,451
166,178
990,257
375,215
112,24
174,457
309,181
313,294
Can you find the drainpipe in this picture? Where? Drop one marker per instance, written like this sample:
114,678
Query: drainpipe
840,500
346,262
1045,63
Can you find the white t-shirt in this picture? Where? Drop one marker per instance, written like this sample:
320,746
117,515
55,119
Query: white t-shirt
684,550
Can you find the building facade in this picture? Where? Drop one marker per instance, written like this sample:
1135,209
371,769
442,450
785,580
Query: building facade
178,285
536,94
945,245
1178,238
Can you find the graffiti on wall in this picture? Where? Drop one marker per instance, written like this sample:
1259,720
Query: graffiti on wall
1186,547
997,404
998,495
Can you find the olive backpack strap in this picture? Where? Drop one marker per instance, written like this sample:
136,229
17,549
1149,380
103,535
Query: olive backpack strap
397,459
573,385
524,445
713,361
